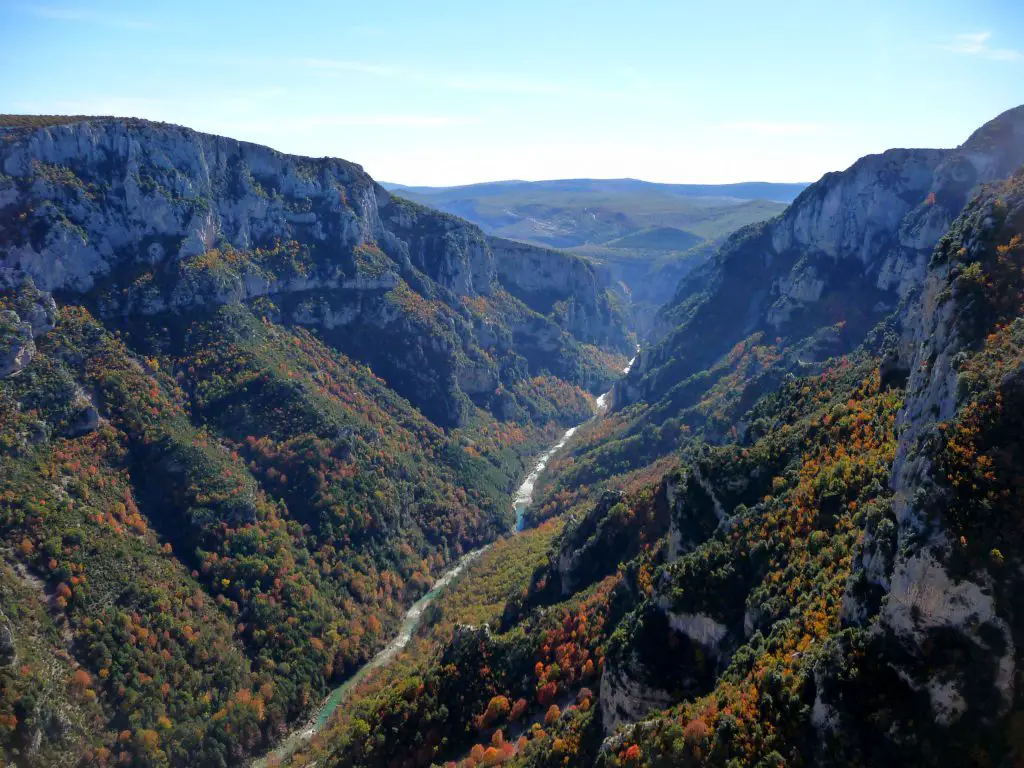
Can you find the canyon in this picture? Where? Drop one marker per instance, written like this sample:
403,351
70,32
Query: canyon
274,435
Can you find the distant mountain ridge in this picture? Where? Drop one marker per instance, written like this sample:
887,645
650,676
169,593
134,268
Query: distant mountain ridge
567,213
643,236
779,192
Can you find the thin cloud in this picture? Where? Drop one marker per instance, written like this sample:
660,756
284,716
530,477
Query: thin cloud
486,82
360,67
767,128
306,124
977,44
60,13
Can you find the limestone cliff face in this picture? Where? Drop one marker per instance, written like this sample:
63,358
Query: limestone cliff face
131,191
856,214
848,249
934,588
450,251
22,321
624,699
140,218
565,286
927,247
113,193
888,211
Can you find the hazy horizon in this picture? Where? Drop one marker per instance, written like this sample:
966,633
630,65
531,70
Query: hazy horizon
458,93
685,183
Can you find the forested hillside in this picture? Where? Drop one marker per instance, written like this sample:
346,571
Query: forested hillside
795,539
250,406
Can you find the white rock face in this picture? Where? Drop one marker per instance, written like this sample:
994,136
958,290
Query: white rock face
887,212
947,702
868,229
98,204
845,215
168,193
625,700
36,314
923,597
16,346
166,196
702,630
803,287
543,275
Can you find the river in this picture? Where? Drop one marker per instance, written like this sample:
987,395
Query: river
524,496
521,502
297,738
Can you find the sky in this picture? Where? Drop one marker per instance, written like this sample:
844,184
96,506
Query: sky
444,92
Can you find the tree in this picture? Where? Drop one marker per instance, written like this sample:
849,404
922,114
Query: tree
552,715
518,709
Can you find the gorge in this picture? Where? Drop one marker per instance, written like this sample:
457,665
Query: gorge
209,346
790,534
261,420
411,620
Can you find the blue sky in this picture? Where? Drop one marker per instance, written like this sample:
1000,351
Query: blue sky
447,92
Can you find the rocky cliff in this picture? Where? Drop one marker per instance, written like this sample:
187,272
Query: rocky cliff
796,539
808,490
250,406
841,257
937,582
925,657
144,218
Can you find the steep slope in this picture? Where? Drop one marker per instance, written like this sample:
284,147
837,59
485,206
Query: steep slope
865,609
848,250
249,405
834,577
147,218
946,637
834,584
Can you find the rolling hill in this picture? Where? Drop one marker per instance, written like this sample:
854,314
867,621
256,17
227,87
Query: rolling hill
644,236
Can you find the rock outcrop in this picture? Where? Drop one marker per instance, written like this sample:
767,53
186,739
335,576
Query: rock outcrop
141,218
943,585
624,699
847,251
25,314
16,345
